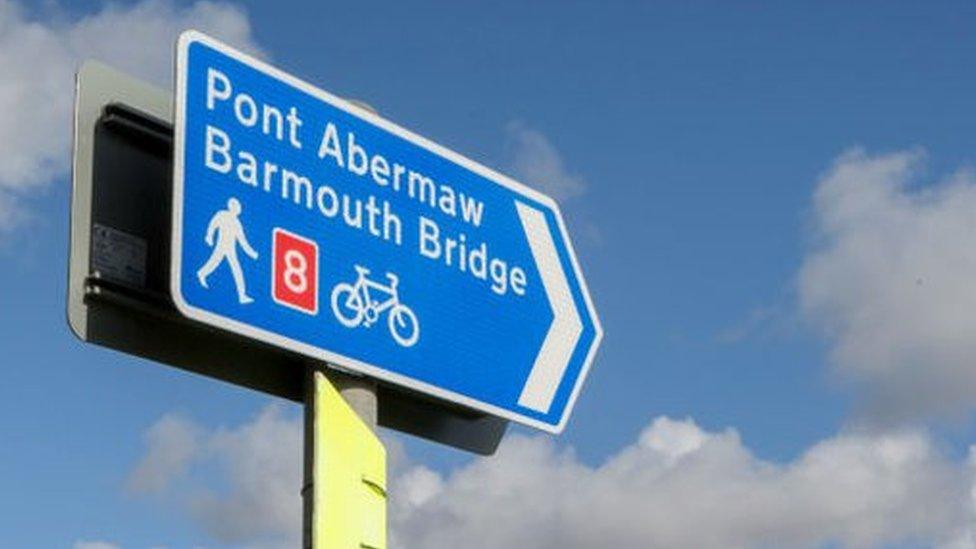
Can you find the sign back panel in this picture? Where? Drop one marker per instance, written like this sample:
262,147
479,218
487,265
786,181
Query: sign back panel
304,221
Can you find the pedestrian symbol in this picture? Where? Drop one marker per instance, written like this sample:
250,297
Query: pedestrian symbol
226,225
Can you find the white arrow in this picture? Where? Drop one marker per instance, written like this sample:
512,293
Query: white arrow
557,349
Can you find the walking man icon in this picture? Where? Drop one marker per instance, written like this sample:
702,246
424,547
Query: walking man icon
226,226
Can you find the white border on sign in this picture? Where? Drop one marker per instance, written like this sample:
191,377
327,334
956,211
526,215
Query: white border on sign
188,37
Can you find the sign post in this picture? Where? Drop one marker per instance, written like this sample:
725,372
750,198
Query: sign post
344,488
309,223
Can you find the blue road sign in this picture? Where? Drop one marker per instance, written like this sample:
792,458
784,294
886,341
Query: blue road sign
302,220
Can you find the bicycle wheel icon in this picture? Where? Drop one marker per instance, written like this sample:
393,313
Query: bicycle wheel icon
403,325
355,306
347,305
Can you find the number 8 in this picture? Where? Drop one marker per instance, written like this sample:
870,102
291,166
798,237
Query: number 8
296,269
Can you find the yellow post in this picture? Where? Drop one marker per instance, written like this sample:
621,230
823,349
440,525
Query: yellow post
349,475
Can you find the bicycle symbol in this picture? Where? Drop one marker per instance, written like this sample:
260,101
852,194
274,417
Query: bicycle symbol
354,306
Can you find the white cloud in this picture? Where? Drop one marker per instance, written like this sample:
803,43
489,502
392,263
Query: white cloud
12,212
536,162
262,464
172,443
892,281
760,320
679,486
240,485
94,545
38,60
676,486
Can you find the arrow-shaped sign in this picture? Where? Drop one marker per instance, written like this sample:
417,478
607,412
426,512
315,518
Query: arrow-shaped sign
304,221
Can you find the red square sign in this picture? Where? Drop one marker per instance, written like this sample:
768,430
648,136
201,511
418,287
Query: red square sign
295,271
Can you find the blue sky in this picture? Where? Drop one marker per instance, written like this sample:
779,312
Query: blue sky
770,203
